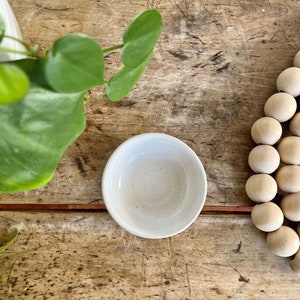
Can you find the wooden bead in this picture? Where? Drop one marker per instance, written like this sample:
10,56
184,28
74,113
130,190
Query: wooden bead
280,106
264,159
267,216
289,81
290,205
266,130
294,125
261,188
289,150
288,178
297,60
294,262
283,242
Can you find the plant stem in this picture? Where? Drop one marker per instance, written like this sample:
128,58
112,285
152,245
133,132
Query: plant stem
112,48
26,53
3,49
3,276
30,51
5,246
18,40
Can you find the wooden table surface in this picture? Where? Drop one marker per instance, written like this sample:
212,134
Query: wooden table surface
214,67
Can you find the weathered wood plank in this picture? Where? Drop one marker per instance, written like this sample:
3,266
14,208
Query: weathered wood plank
87,256
214,67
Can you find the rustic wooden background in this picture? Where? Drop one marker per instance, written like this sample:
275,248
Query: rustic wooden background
215,65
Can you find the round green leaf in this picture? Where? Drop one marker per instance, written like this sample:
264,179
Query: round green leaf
14,84
75,64
140,37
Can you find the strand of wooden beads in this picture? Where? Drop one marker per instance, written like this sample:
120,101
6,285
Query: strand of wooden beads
275,160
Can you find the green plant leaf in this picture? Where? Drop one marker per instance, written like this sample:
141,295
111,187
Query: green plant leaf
14,83
122,82
34,134
140,37
34,69
8,240
139,41
2,29
36,131
75,64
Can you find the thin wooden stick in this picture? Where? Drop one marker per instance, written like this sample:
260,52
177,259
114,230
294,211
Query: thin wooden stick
101,207
229,209
50,206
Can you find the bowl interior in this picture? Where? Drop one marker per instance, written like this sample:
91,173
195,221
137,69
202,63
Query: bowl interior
154,185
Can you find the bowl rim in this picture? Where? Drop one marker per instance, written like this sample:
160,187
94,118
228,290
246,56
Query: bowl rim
116,153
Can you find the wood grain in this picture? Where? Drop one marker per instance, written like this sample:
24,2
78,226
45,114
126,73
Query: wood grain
87,256
214,67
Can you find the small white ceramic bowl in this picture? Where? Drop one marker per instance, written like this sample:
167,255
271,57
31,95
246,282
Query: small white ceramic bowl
154,185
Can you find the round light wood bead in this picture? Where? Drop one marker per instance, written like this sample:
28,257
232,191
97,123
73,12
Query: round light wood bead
283,242
280,106
297,60
290,205
288,178
289,150
264,159
261,188
294,125
267,216
289,81
266,130
294,262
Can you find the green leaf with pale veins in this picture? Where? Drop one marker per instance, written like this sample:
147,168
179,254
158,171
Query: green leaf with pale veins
35,133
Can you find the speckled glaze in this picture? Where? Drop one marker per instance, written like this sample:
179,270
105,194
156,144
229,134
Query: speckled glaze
154,185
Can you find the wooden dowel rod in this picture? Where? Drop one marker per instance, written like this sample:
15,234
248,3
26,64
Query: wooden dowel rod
101,207
50,206
229,209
